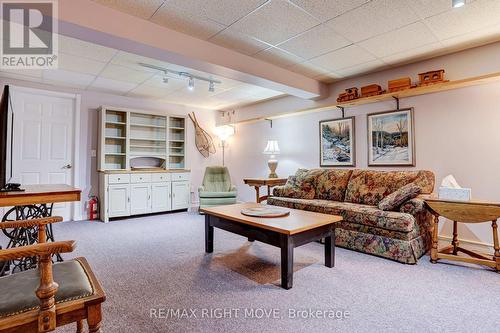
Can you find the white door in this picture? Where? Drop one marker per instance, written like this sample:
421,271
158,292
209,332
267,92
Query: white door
43,140
180,195
119,200
140,199
161,197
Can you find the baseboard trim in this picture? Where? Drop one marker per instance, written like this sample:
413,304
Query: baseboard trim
483,245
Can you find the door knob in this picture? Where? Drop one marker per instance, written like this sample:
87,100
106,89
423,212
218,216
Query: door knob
67,166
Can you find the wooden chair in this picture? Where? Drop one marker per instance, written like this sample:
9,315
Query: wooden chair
67,292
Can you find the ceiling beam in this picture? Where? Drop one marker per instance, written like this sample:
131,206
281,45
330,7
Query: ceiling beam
92,22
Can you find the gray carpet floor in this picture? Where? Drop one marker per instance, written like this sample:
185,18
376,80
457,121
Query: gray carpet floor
151,264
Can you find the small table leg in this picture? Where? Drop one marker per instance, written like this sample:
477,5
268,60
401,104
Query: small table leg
496,246
209,235
434,249
455,238
286,262
257,194
330,250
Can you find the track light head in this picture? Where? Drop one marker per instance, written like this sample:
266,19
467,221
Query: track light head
191,83
211,86
457,3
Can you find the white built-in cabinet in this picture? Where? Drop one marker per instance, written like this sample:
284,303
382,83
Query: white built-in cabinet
131,138
127,194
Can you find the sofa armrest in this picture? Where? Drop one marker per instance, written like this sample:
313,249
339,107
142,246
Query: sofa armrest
201,189
278,191
233,188
413,206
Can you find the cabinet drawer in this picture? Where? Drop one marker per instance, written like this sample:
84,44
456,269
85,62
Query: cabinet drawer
122,178
180,176
140,178
160,177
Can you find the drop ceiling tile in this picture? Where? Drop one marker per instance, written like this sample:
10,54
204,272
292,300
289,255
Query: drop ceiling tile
84,49
120,73
373,18
275,22
327,9
346,57
279,57
34,73
186,22
172,85
314,42
329,77
131,60
415,54
237,41
141,8
362,68
18,76
473,39
67,78
474,16
80,65
308,69
428,8
148,91
112,86
225,12
403,39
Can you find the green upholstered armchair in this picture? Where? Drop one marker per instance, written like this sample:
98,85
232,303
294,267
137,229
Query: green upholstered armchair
217,189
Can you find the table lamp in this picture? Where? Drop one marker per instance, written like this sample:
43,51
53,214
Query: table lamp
272,149
224,132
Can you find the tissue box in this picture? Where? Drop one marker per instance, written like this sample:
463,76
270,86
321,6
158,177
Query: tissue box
458,194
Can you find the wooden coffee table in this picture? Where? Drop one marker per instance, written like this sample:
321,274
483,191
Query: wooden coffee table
299,228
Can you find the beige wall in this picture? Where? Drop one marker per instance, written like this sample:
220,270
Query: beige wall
457,132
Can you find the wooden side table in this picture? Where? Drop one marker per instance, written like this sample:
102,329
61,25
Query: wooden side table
269,182
464,212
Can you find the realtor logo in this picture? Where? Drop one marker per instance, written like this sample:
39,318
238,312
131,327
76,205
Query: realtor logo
29,34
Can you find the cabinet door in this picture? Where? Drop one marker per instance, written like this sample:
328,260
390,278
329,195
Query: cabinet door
180,195
161,197
140,199
118,200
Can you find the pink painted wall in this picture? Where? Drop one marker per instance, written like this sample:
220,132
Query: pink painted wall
90,101
457,132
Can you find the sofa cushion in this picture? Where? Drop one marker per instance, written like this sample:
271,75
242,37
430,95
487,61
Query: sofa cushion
394,200
370,187
330,184
353,213
298,186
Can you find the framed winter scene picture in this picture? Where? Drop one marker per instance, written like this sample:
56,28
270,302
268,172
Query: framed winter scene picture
391,140
336,142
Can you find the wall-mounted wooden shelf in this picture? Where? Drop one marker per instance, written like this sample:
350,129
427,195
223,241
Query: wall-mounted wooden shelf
422,90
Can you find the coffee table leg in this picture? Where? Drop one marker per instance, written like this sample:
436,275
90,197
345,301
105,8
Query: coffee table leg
209,235
286,262
330,250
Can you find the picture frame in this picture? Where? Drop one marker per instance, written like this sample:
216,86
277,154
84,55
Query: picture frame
391,138
337,146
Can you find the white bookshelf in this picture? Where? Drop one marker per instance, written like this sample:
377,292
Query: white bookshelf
127,134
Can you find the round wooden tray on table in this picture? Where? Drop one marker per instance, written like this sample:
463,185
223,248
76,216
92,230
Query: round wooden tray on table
266,212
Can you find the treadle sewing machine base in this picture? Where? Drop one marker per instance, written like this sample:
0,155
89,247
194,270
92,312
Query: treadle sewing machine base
35,202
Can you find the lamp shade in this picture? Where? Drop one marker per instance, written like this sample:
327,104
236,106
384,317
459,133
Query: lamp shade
224,132
272,148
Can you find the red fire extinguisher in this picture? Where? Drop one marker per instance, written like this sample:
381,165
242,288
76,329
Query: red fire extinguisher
93,207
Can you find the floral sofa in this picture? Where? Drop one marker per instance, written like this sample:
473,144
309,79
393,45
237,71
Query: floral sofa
401,234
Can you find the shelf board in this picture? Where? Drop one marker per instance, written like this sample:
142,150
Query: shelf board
178,155
177,128
148,139
149,126
148,154
115,137
176,140
422,90
115,154
115,123
147,146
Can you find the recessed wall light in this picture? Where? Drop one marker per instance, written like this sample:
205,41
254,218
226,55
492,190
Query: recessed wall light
457,3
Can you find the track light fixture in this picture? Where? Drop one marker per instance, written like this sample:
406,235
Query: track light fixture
189,76
457,3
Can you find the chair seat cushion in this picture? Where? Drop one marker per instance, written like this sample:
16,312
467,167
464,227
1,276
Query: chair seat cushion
18,290
353,213
207,194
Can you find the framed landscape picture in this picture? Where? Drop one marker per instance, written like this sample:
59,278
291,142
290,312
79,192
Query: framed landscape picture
336,142
391,140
